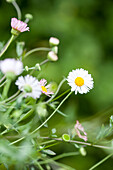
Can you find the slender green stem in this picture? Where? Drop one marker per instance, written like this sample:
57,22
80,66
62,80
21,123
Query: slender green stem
6,89
6,45
99,163
3,83
43,62
59,157
61,83
44,121
3,78
51,114
35,50
17,9
79,142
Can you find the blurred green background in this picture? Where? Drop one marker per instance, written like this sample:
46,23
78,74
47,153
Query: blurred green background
85,30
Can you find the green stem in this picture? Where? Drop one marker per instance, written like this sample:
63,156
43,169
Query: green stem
36,49
17,9
6,45
51,114
56,91
2,79
3,83
43,62
6,89
44,121
99,163
79,142
59,157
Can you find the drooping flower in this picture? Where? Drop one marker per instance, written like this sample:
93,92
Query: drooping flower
30,85
54,41
11,65
80,81
19,25
45,89
79,129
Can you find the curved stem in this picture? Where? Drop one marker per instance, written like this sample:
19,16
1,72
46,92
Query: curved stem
99,163
17,9
44,121
43,62
6,45
3,83
36,49
56,91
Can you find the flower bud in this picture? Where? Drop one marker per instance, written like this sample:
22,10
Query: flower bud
53,41
55,49
52,56
29,16
37,67
26,68
83,151
53,87
41,109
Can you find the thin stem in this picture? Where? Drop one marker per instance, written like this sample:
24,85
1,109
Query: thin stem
61,83
6,45
3,78
17,9
59,157
79,142
3,83
43,62
36,49
44,121
51,114
99,163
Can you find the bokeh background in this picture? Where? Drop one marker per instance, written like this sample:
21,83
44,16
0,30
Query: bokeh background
85,30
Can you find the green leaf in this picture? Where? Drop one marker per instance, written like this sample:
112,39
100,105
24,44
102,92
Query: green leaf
49,152
1,45
19,48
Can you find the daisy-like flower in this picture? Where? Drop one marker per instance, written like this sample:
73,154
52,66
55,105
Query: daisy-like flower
11,65
80,81
19,25
45,89
78,129
30,85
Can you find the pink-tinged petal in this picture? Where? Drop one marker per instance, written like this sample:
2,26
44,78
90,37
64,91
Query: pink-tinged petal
19,25
45,89
78,129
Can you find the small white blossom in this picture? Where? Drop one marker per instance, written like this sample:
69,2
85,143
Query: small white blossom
19,25
80,81
11,65
30,85
45,88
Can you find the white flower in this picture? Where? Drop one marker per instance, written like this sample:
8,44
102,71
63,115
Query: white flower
19,25
45,89
11,65
30,85
54,41
80,81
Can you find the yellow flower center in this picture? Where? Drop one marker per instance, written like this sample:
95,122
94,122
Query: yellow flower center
44,89
79,81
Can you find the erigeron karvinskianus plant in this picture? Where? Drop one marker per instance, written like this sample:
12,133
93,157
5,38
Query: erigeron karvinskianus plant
25,112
